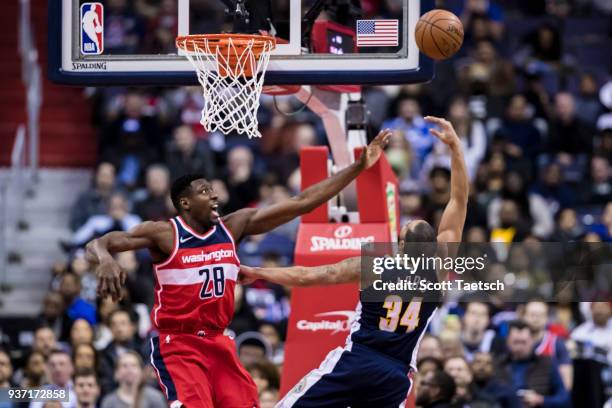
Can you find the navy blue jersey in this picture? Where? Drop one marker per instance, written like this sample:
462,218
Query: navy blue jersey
395,326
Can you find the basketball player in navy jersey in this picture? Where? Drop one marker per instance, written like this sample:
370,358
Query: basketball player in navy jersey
372,369
196,267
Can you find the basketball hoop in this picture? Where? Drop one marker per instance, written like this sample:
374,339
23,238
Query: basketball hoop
231,69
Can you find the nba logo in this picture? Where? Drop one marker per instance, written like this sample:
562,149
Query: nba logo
92,28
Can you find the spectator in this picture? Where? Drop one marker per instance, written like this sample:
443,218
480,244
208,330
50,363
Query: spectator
268,398
597,331
162,29
429,347
188,155
568,227
532,207
45,341
252,348
244,319
132,391
483,370
154,203
117,219
473,138
84,357
436,390
588,106
60,369
553,190
76,307
123,29
52,313
491,12
242,183
475,333
6,369
520,138
81,333
265,374
89,283
86,388
131,141
547,343
543,49
535,379
95,200
139,282
465,392
415,129
272,335
598,189
34,370
124,339
439,180
399,156
593,340
568,135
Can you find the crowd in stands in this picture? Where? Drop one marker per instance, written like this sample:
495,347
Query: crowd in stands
526,95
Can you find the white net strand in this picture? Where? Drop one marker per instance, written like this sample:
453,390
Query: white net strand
231,99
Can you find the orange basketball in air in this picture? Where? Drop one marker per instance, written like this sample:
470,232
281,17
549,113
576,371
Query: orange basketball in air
439,34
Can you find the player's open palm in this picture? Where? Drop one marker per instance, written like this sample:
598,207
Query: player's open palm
372,152
110,279
445,132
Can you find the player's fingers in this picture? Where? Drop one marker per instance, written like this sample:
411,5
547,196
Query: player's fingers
117,287
436,133
443,123
123,277
102,287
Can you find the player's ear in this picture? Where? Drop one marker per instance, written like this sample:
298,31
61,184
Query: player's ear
184,203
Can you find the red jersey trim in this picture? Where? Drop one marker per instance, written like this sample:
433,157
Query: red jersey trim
192,232
175,247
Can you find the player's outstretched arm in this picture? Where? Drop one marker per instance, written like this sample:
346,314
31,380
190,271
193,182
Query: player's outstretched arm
256,221
453,218
99,252
345,271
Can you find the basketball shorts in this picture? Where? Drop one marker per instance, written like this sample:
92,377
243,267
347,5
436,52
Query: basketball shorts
355,376
201,371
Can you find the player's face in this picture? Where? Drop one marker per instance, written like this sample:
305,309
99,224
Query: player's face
204,202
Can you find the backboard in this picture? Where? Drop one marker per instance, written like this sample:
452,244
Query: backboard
107,42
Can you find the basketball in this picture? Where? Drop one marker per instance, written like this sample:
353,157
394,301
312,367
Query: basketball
439,34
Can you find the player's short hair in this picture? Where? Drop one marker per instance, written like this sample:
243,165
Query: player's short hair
446,383
85,372
422,239
181,187
422,231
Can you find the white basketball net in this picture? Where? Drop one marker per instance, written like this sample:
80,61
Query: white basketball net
231,98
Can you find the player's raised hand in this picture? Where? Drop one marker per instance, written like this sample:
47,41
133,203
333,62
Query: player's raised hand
110,279
247,275
446,133
372,152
